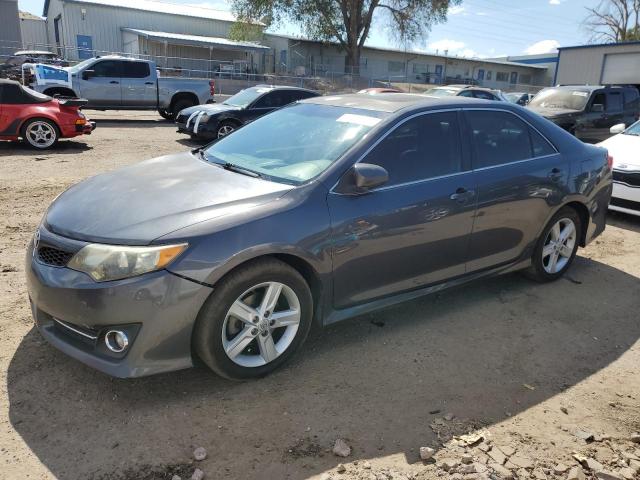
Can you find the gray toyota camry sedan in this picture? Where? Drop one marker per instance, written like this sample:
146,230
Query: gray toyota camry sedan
326,209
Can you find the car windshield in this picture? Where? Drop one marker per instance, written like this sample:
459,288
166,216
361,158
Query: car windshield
633,130
557,98
442,92
245,97
294,144
513,97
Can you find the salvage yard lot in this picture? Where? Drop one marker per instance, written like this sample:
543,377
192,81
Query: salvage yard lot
531,364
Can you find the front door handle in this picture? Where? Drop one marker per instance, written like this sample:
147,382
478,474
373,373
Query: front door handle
148,83
462,195
114,82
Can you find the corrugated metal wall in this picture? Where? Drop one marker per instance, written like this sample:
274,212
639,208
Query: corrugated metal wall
34,33
104,25
584,65
10,31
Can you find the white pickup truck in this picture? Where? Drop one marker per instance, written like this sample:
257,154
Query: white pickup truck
119,83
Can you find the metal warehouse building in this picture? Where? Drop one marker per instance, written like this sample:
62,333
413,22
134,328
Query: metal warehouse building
609,64
191,40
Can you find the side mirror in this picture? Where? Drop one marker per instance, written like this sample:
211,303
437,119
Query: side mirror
616,129
597,108
87,74
361,178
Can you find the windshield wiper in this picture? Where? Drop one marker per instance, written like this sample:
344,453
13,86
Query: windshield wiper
232,167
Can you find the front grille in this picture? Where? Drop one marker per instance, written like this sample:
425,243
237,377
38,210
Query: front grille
629,178
623,203
54,256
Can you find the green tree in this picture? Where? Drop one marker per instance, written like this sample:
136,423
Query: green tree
348,22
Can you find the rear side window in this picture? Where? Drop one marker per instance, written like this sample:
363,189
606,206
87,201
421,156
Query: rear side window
299,95
615,102
499,138
483,95
631,101
135,70
107,68
424,147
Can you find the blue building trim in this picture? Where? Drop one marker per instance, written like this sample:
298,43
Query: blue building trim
614,44
533,61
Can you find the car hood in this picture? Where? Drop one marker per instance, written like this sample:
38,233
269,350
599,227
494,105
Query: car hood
624,150
137,204
552,113
210,108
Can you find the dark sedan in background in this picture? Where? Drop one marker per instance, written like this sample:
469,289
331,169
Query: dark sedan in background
326,209
217,120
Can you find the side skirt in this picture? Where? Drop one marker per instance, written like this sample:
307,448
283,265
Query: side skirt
343,314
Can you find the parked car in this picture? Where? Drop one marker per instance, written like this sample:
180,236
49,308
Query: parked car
215,121
39,120
33,56
121,83
376,90
521,98
467,91
588,112
624,146
326,209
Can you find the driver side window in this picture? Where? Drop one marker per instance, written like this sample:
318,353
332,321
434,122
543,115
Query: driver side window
423,147
107,68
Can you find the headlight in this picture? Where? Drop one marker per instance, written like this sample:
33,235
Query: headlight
113,262
204,118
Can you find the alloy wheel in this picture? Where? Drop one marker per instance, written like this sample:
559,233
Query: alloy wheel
40,134
225,130
261,324
559,245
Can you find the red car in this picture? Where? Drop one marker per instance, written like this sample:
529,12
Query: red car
39,119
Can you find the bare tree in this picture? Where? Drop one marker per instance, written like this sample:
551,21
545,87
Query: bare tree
348,22
614,21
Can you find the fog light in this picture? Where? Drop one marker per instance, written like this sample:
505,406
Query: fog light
116,341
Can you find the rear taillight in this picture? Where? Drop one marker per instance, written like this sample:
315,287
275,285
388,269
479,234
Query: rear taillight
609,161
212,87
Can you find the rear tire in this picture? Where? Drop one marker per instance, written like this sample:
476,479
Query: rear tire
167,115
556,247
254,320
181,104
40,133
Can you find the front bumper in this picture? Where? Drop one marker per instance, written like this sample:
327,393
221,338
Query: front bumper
626,194
72,312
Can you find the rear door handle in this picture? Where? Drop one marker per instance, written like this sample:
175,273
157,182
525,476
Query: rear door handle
462,195
114,82
148,83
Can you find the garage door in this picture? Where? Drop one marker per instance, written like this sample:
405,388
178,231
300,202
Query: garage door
621,68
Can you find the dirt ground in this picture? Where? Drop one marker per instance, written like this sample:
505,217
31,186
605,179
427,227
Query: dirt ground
545,370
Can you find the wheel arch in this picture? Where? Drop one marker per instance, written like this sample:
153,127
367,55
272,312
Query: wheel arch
583,212
51,91
183,95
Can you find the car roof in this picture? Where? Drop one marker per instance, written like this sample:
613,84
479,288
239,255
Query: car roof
282,87
394,102
590,88
5,81
34,52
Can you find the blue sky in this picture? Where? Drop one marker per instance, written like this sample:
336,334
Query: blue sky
484,28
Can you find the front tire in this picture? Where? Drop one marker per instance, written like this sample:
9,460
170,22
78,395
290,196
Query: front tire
556,247
254,320
225,128
40,133
181,104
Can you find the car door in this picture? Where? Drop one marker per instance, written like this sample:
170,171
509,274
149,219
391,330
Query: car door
268,102
519,176
414,230
591,125
138,85
101,84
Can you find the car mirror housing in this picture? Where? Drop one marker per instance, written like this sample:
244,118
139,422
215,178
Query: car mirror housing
597,107
616,129
361,178
87,74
